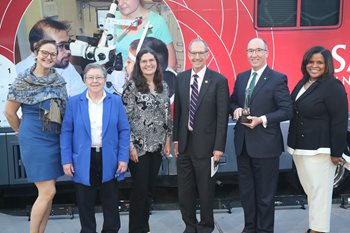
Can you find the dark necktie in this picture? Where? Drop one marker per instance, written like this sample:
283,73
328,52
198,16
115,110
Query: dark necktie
252,84
194,99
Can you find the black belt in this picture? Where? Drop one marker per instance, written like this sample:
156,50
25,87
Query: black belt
96,149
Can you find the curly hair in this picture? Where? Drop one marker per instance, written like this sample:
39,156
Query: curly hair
328,59
140,80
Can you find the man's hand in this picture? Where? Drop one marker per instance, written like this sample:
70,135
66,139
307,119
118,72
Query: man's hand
68,169
176,149
217,155
254,122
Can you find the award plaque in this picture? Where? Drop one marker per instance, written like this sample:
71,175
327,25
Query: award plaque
246,109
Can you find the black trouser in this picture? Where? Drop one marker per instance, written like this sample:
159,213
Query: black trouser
193,175
86,197
144,174
258,178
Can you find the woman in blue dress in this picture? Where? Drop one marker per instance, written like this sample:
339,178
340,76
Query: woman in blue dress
41,94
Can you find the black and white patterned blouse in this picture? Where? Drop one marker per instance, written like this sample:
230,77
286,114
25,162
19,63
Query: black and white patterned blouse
149,118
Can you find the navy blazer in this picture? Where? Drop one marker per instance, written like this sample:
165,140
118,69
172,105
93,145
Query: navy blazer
270,98
76,137
320,117
210,122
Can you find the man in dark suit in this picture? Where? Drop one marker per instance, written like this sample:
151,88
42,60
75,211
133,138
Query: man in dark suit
200,124
259,142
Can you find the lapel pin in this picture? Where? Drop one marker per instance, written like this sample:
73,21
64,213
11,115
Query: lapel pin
264,78
206,81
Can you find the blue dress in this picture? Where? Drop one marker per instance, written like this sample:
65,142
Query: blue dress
40,149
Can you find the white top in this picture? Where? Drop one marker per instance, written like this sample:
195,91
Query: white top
74,82
95,115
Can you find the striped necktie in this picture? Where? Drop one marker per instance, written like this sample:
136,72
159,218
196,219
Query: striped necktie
194,99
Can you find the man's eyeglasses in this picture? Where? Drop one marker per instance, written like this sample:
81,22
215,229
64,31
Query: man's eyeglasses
256,51
63,45
199,53
45,53
92,78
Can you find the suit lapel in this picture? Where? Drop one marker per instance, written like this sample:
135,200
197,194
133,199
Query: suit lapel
186,87
265,76
84,112
306,93
106,113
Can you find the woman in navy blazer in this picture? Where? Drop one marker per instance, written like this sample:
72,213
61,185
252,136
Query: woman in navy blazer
317,133
95,149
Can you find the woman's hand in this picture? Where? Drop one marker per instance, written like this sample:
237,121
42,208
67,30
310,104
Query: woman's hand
133,154
122,167
337,160
68,169
166,147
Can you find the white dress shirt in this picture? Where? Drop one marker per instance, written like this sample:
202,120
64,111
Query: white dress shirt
259,73
200,78
95,115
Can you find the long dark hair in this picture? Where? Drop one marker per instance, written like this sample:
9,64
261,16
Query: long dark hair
140,80
328,59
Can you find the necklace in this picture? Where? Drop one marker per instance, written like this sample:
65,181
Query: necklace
312,81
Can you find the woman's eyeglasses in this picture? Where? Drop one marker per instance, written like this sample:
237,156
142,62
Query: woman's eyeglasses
45,53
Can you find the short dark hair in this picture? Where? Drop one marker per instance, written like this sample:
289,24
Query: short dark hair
43,42
158,46
328,59
140,80
37,32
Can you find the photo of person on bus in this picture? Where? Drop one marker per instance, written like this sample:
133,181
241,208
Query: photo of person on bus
52,29
131,9
317,134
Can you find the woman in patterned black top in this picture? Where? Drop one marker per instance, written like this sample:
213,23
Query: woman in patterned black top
148,108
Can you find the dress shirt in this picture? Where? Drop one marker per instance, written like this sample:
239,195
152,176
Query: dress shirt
259,73
200,78
95,115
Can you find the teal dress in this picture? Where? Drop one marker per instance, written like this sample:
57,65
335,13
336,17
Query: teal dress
39,146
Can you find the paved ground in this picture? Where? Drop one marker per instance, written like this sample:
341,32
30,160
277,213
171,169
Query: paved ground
288,220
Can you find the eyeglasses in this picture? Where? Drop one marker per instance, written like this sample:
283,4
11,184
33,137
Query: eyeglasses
199,53
63,45
92,78
45,53
256,51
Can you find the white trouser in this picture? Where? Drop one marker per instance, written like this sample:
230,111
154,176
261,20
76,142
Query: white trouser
316,175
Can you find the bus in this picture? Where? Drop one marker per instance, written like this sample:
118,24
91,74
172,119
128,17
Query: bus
289,27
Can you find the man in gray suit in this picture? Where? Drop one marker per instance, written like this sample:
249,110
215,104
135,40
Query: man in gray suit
200,124
258,140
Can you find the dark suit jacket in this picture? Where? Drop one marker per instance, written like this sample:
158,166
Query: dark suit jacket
320,117
210,123
270,98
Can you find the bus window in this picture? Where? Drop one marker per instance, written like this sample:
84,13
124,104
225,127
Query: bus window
297,14
277,13
319,13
